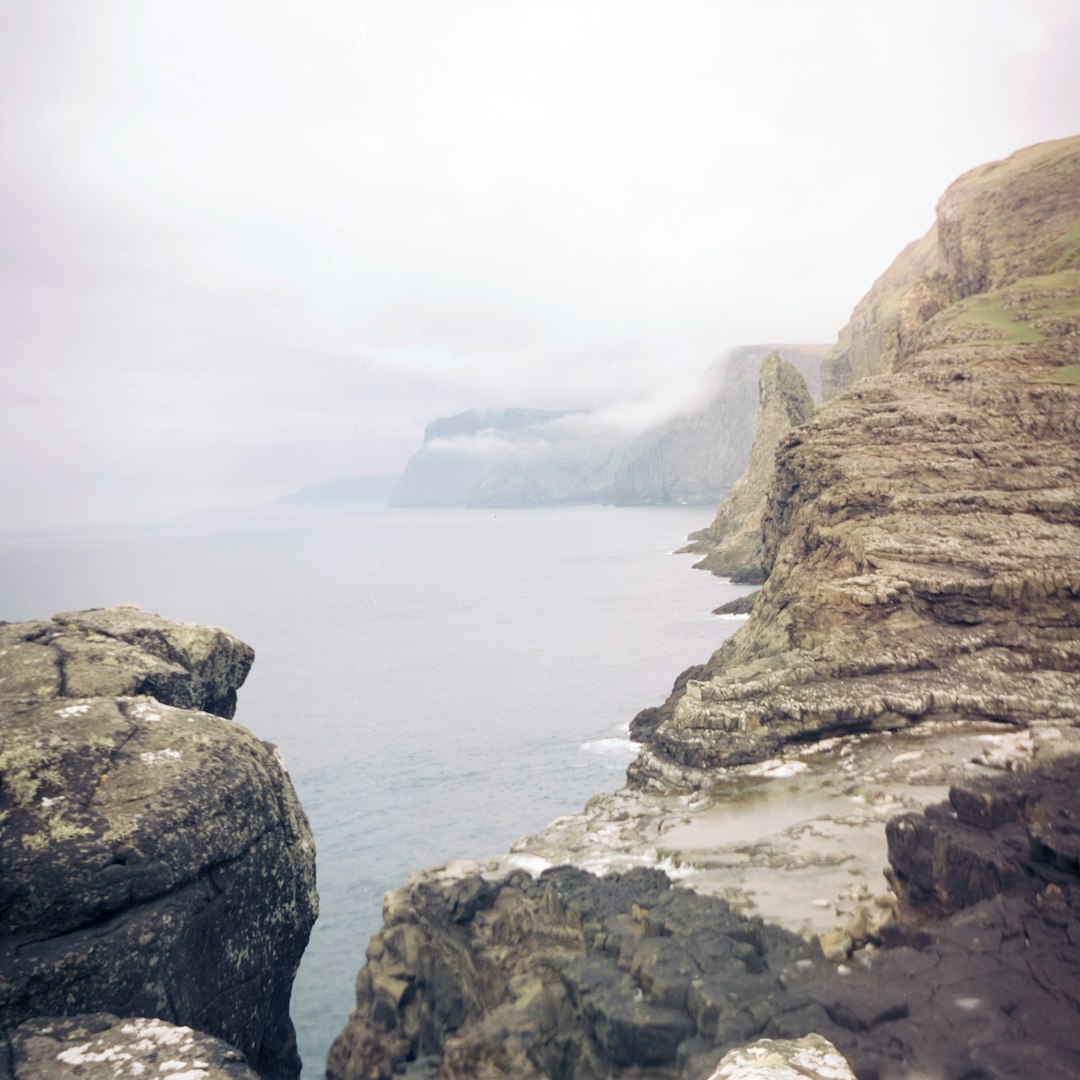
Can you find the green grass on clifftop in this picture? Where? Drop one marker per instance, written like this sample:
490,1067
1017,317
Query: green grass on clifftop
1029,310
1068,375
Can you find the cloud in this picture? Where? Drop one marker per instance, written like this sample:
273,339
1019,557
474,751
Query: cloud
297,237
489,443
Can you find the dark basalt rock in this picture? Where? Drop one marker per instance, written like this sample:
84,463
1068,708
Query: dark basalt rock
154,859
1020,831
571,976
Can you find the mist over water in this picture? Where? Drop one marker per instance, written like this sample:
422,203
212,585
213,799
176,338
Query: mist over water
440,682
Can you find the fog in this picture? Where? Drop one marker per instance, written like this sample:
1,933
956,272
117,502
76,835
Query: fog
251,246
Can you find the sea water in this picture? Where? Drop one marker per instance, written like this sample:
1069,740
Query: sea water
440,682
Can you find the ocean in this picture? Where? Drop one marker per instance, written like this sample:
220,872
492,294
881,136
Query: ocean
440,682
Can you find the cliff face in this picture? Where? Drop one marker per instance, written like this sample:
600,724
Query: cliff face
922,533
697,458
1000,223
732,544
154,859
461,453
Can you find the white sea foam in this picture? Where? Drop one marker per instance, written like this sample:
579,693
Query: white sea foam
620,748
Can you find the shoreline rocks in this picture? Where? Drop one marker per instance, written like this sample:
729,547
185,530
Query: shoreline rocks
154,858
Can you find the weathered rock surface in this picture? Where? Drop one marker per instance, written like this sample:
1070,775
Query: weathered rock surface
922,532
808,1058
105,1047
732,544
154,859
570,975
1002,222
1017,833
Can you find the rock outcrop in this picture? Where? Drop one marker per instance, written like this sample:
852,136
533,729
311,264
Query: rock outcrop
569,975
808,1058
106,1047
732,544
574,976
154,859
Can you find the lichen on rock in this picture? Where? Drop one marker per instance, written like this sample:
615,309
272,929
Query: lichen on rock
137,820
105,1047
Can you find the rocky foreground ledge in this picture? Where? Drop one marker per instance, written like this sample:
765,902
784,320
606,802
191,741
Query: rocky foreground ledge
909,674
155,864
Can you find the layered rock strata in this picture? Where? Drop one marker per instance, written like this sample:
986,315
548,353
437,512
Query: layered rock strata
998,224
922,531
155,859
732,544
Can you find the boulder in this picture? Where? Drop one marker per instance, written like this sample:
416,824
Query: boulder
105,1047
154,858
808,1058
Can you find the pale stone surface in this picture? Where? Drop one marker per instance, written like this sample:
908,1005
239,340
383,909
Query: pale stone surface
809,1058
106,1047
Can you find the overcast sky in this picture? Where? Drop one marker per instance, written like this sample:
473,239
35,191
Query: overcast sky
249,246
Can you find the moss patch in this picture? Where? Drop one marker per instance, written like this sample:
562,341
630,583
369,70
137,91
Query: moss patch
1068,375
1022,312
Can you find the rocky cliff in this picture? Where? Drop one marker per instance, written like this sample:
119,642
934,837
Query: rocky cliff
998,224
154,859
732,544
918,636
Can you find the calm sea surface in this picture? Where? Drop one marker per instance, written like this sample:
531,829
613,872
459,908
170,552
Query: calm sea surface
441,682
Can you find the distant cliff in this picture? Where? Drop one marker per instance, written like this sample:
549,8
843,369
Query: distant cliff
732,544
530,457
459,451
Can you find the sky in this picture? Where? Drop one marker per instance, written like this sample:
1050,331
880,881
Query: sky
253,245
